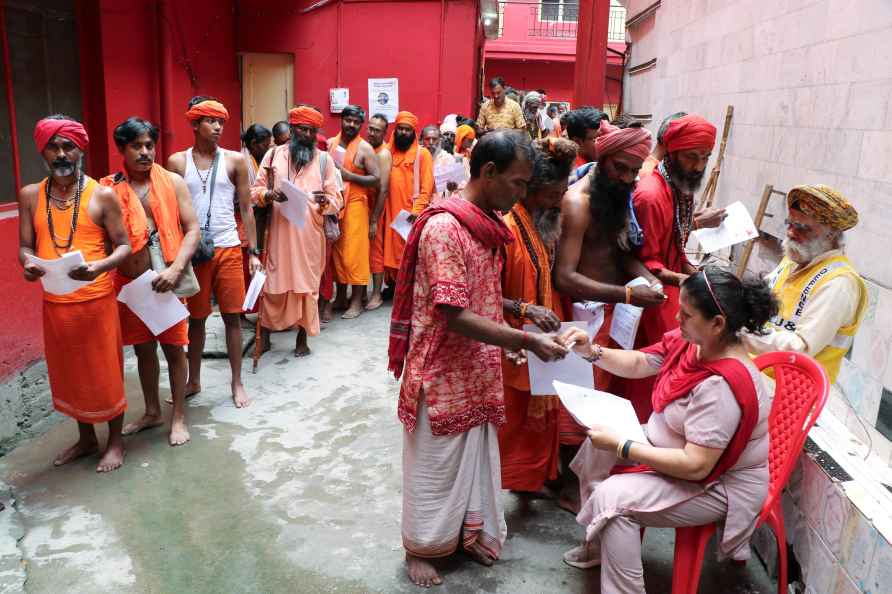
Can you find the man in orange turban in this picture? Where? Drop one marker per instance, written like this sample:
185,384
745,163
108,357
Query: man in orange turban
217,180
296,253
67,212
411,184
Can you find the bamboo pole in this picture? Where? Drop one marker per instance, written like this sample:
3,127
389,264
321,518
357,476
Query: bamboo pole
757,220
709,191
258,328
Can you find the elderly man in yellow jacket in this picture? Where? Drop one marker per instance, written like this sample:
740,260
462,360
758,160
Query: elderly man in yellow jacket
822,296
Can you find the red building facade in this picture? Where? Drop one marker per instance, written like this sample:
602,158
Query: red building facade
536,45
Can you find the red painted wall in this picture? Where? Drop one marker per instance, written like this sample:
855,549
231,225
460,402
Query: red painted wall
555,77
21,340
202,52
377,40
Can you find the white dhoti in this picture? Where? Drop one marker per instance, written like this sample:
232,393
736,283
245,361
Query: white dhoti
451,488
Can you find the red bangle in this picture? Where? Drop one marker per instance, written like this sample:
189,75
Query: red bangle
523,340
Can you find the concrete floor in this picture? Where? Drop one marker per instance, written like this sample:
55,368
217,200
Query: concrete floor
298,493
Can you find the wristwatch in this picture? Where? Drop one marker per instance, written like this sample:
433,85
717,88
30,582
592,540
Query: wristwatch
255,251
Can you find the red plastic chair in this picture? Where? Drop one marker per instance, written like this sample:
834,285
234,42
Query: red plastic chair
801,391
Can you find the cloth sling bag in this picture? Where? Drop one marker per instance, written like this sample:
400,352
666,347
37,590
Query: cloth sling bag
205,250
330,225
188,285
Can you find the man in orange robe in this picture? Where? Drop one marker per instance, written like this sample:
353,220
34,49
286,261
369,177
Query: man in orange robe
529,443
377,131
358,164
68,212
296,256
411,185
157,211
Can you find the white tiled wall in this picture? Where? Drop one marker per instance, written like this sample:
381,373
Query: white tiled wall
811,85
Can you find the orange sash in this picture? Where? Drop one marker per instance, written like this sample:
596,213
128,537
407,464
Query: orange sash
165,211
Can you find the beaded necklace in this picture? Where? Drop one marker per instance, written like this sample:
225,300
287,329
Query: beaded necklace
49,214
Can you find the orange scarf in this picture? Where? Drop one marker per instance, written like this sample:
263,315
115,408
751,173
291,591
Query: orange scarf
165,211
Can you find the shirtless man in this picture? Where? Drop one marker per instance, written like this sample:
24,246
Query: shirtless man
594,260
158,209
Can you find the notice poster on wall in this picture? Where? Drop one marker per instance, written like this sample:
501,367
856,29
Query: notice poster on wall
339,99
384,97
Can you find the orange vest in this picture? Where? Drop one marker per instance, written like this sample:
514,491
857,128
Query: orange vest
165,212
89,238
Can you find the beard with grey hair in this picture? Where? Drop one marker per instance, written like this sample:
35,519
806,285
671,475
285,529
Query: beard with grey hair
686,182
301,151
63,167
548,225
803,252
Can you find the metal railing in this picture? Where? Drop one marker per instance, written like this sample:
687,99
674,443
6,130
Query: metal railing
557,19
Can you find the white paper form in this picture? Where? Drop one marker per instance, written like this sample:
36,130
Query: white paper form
55,279
590,312
451,172
253,292
339,154
737,227
626,318
572,369
296,207
401,224
594,407
158,311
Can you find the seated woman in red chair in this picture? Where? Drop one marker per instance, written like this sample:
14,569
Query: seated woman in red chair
707,456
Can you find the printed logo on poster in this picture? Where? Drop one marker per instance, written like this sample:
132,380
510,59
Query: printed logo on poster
384,97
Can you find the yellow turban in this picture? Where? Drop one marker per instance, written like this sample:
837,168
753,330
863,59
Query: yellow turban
825,205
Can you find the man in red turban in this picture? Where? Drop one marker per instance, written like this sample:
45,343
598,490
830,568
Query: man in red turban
67,212
663,204
217,179
596,257
411,184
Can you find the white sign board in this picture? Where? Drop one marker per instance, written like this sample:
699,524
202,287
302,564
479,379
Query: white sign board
339,99
384,97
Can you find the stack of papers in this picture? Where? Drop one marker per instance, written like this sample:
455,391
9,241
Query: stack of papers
594,407
590,312
401,224
55,279
296,207
452,172
253,292
572,369
158,311
737,227
626,318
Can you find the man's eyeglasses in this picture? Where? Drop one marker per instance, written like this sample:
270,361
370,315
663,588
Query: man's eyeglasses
797,227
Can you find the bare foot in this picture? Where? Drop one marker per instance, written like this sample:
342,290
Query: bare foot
192,389
374,303
239,396
477,553
301,350
179,433
421,572
582,557
112,459
146,422
327,313
352,313
78,450
339,305
568,504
